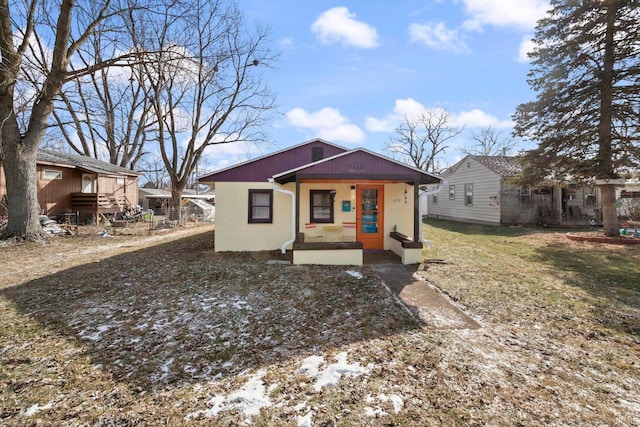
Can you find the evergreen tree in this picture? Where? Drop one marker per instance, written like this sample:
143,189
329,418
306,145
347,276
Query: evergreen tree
586,116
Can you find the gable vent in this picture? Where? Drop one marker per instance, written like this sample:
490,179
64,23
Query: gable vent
317,153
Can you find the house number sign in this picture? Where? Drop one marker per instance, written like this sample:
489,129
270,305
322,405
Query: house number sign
356,167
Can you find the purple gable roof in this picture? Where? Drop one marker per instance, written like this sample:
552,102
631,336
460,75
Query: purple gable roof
265,167
359,164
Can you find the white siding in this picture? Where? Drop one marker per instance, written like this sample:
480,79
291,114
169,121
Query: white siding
486,187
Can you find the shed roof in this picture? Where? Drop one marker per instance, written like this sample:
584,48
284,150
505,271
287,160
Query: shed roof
161,193
82,162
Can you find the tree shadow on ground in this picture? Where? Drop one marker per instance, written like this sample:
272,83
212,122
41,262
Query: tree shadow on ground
611,276
178,313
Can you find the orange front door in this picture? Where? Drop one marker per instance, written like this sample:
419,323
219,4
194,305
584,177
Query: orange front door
370,216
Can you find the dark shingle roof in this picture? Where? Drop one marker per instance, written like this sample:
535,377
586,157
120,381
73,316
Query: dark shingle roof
502,165
83,162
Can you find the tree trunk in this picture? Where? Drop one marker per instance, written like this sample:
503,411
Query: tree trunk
605,129
609,211
176,199
22,192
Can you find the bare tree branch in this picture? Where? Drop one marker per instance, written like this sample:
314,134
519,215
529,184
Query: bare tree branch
420,141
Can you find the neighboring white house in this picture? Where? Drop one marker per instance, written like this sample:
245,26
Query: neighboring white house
478,190
322,201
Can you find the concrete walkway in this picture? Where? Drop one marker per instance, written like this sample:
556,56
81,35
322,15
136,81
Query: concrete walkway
425,303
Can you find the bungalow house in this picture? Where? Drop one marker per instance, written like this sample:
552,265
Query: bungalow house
69,183
478,190
322,201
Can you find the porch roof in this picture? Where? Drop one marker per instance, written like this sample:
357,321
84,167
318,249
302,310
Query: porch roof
358,164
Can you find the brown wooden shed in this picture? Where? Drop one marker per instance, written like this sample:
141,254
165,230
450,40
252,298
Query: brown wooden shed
69,183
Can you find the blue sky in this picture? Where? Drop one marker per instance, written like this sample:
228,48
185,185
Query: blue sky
349,71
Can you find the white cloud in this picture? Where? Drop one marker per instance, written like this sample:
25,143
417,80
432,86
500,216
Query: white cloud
410,108
286,42
522,14
478,119
526,46
327,123
379,125
339,25
438,36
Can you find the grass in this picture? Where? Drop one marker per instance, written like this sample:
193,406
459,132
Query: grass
162,330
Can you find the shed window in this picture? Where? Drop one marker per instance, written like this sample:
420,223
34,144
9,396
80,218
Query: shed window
468,194
452,192
51,174
321,206
434,198
260,206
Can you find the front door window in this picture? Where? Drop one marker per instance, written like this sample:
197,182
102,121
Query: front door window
369,223
370,216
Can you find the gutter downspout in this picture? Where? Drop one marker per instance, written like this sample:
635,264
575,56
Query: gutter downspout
429,193
277,188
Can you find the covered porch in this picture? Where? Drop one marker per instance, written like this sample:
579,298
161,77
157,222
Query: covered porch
352,203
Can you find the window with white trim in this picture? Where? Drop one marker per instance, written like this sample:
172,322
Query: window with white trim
468,194
51,174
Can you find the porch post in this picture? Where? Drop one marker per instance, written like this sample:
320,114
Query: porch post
297,219
417,221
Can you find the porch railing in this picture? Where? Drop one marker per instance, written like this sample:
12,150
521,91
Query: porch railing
98,203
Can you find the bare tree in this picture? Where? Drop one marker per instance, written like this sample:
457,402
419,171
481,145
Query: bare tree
419,141
105,113
153,170
490,141
38,47
205,85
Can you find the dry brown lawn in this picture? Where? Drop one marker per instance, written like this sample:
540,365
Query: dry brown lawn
160,330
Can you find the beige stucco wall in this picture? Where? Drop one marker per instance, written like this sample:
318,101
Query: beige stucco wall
329,257
233,231
343,192
396,211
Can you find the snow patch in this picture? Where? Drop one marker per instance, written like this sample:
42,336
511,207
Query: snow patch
332,373
249,399
306,420
34,409
355,274
96,335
